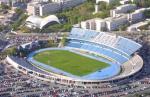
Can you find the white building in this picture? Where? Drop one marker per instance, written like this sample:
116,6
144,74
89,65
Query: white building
124,1
94,24
135,27
13,2
107,24
4,1
137,15
44,8
71,3
127,1
122,9
38,22
107,1
114,23
40,0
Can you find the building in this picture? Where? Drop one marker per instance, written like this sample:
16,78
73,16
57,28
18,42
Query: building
40,0
71,3
13,2
137,15
45,8
107,24
123,9
41,9
4,2
116,22
124,1
111,47
127,1
107,1
135,27
94,24
121,16
38,22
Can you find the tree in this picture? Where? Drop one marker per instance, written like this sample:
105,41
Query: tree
18,22
142,3
4,6
63,41
19,11
102,5
103,14
25,29
2,27
147,13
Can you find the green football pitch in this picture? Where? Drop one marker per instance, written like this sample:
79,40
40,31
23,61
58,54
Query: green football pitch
70,62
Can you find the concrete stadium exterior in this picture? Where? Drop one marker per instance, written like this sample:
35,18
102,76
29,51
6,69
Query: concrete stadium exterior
57,78
128,68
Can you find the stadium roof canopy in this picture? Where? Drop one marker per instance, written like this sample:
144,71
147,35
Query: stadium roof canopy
38,22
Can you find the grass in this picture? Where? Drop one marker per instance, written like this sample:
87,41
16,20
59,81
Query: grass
70,62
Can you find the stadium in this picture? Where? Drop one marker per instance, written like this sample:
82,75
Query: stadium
88,59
